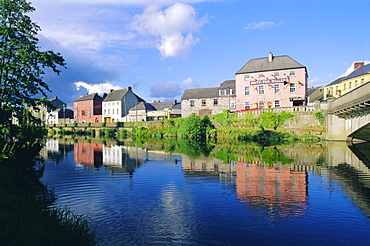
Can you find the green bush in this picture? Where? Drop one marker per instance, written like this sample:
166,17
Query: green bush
89,124
104,124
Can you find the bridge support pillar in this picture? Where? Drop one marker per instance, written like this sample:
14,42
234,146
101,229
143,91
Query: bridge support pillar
335,128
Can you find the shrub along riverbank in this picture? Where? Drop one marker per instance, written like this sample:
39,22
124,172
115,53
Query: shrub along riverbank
263,128
27,213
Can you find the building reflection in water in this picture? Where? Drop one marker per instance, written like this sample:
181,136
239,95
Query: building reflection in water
276,189
89,154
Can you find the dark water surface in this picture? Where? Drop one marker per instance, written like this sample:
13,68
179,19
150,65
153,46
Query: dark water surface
294,195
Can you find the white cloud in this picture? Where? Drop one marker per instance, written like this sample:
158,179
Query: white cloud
313,81
188,83
169,89
172,27
351,68
96,88
260,25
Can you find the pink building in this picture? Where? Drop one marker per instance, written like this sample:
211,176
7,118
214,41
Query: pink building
88,108
271,82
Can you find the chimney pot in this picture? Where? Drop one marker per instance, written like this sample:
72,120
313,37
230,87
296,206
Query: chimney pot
270,57
129,88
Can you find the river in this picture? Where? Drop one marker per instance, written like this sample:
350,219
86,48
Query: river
245,194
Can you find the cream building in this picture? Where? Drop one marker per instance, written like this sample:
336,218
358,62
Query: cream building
343,85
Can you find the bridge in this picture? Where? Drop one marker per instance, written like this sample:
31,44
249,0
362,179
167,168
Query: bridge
348,114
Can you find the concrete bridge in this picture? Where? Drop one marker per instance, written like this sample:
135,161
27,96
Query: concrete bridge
348,114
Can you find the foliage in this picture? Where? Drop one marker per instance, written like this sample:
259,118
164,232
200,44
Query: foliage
27,214
320,117
89,124
103,124
22,63
75,124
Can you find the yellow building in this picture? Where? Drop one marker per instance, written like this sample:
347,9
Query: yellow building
343,85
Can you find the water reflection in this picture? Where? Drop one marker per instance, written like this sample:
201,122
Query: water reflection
272,179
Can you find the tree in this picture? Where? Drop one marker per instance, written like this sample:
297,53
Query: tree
22,63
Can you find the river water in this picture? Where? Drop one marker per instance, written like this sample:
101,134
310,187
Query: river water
238,195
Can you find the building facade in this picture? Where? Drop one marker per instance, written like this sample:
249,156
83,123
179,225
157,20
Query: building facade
117,103
345,84
271,82
88,109
155,111
209,101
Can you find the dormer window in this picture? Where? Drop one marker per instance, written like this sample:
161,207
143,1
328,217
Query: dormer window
223,92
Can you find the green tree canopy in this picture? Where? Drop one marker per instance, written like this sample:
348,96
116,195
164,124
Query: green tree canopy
22,63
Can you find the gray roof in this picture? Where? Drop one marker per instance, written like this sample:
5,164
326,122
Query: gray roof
117,95
200,93
316,94
144,106
262,64
162,105
228,84
359,71
93,96
57,103
337,81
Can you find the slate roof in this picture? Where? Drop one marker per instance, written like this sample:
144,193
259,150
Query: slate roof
337,81
117,95
262,64
228,84
358,72
316,94
56,102
200,93
144,106
93,96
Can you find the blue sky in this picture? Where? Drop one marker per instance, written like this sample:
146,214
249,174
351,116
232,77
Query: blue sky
162,47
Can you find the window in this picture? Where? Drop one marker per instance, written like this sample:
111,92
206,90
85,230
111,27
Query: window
191,103
277,103
232,91
344,87
292,73
83,113
356,83
247,91
261,89
246,77
350,85
215,102
292,88
261,76
276,88
261,104
276,74
247,105
105,112
204,103
223,92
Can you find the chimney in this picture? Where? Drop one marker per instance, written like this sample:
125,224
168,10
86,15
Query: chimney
357,65
129,88
111,90
269,58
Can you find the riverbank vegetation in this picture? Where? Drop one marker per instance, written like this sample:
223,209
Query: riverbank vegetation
28,215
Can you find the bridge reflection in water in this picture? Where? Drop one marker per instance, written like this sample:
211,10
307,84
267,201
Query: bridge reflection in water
277,188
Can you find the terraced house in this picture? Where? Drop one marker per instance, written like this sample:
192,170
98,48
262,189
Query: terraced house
271,82
117,103
345,84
